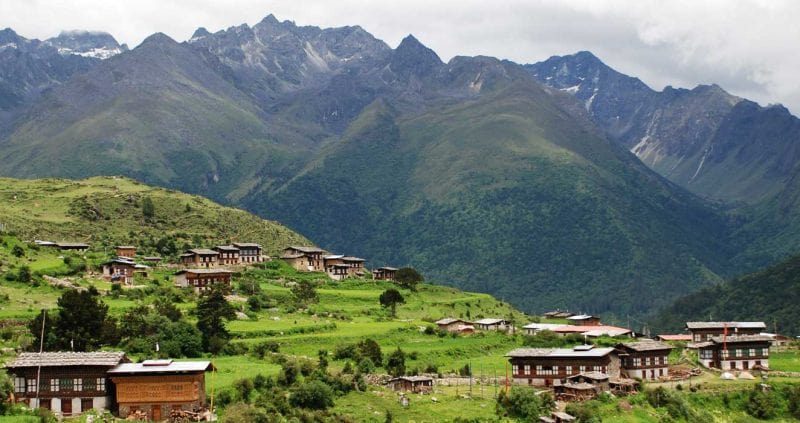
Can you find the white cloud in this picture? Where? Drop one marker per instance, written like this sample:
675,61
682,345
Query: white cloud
747,46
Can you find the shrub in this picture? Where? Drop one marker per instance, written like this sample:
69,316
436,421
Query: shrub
366,366
314,395
523,403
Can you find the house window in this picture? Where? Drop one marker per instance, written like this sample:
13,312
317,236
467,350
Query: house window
706,354
65,385
527,369
598,369
752,352
101,384
569,370
514,369
90,384
725,353
583,369
637,361
31,385
19,384
647,361
765,352
54,385
736,352
78,383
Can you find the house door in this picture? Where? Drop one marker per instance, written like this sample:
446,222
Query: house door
156,412
745,364
66,406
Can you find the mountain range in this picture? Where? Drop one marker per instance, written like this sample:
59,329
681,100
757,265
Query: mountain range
558,184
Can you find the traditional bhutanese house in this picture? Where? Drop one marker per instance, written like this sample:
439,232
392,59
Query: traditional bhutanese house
593,331
647,360
551,366
452,325
305,259
584,320
384,273
415,384
200,257
69,382
674,338
703,331
535,328
119,270
563,315
777,340
355,265
157,387
334,266
227,254
125,251
72,246
742,352
492,324
249,252
202,279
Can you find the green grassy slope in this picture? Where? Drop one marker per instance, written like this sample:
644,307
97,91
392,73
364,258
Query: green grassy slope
506,194
107,211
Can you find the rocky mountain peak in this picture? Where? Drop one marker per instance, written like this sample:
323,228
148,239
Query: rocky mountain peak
96,44
412,57
199,33
158,38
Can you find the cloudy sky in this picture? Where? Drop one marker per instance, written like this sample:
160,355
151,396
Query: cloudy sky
749,47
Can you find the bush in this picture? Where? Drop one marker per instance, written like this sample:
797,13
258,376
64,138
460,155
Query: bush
366,366
524,403
262,348
762,404
18,251
314,395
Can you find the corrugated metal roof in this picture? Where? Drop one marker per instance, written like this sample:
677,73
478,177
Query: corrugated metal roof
721,325
490,321
68,358
167,367
203,252
390,269
675,337
302,249
247,245
542,326
558,352
447,321
732,339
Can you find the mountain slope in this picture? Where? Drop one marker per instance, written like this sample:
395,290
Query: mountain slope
771,295
505,193
161,113
705,140
107,211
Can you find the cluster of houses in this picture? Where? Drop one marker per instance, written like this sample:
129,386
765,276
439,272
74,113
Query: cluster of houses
584,371
336,266
70,383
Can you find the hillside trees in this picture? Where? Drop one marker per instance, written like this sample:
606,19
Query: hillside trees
390,299
82,323
408,277
212,312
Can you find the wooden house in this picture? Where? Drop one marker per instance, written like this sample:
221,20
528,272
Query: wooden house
249,252
453,325
355,265
646,360
119,270
703,331
305,259
202,279
384,273
158,387
735,352
492,324
535,328
415,384
200,257
584,320
72,246
582,387
551,366
334,266
593,331
125,251
227,255
69,383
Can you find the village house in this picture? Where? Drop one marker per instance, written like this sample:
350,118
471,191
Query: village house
384,273
335,267
355,265
582,387
492,324
69,383
674,338
249,252
551,366
202,279
584,320
200,257
646,359
535,328
72,246
122,270
455,325
703,331
158,387
125,251
227,255
735,352
305,259
415,384
593,331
